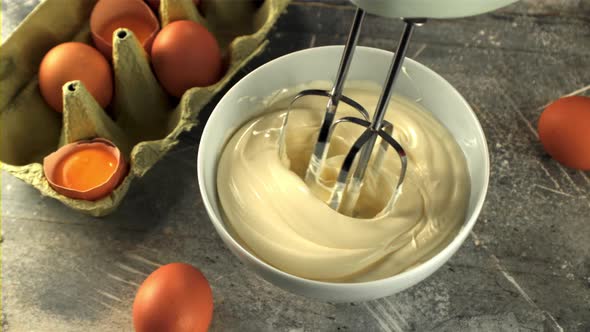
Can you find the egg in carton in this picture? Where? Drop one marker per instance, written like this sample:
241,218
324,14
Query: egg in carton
142,120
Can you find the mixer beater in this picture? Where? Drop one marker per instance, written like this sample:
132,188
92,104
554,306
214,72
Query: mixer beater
345,194
346,191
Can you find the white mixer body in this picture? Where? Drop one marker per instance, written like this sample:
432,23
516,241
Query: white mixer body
430,8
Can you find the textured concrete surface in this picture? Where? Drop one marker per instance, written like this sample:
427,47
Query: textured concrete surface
526,266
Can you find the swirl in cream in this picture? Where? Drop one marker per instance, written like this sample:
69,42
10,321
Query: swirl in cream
287,224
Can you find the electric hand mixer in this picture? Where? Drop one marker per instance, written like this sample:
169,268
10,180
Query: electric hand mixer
345,191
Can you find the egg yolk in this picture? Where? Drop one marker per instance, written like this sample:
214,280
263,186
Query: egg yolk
85,169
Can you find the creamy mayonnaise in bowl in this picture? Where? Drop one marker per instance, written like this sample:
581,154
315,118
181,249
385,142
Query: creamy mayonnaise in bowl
340,260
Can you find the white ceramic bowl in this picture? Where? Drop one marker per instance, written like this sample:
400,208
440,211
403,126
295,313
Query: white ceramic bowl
240,104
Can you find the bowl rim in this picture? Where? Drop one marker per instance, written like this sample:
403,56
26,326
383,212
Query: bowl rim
422,268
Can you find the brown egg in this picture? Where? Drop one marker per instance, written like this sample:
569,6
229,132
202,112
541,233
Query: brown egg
174,298
109,15
564,130
75,61
87,170
186,55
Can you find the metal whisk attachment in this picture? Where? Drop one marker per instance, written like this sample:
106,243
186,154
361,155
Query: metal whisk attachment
345,194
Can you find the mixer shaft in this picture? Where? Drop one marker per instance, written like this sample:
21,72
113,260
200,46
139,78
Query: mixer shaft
345,193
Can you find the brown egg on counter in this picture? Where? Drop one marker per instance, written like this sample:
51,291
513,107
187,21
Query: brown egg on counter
110,15
564,130
75,61
87,170
174,298
185,55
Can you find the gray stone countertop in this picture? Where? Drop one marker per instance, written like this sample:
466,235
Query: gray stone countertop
525,267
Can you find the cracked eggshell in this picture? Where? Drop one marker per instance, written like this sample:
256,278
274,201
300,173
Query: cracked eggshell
51,162
155,4
110,15
31,130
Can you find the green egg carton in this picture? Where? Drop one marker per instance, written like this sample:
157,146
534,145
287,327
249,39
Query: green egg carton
145,122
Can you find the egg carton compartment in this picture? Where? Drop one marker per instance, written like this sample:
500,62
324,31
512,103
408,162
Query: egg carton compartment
142,120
